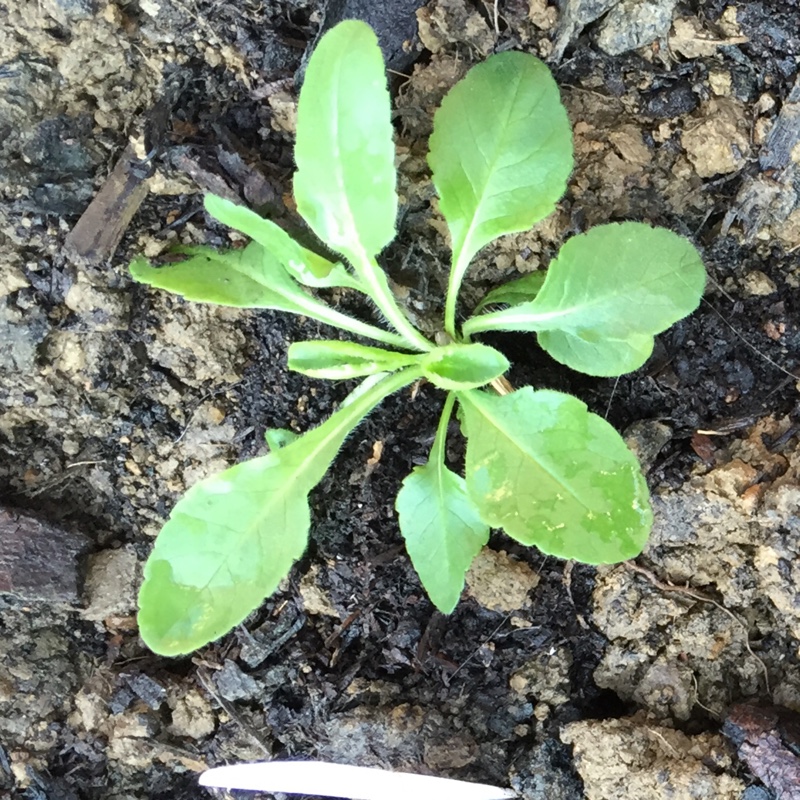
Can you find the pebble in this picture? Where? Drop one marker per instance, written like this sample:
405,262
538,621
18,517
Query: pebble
111,584
233,684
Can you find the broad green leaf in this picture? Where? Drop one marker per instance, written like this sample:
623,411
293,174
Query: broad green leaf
307,267
501,153
247,278
554,475
233,537
521,290
440,524
606,295
455,367
335,360
345,180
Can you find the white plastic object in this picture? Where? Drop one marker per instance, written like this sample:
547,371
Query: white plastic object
324,779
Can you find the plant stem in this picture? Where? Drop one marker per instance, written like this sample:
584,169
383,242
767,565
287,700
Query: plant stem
437,451
453,288
377,287
337,319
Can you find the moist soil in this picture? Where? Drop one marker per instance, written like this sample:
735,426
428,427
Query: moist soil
561,680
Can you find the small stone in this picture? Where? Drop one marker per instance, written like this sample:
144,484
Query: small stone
233,684
454,752
720,142
720,82
12,279
623,758
192,716
545,677
148,690
757,284
647,438
635,23
541,711
91,711
499,582
315,599
111,584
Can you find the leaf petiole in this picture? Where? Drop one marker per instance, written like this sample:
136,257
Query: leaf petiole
376,286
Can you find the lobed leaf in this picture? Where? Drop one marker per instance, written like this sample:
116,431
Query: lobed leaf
304,265
501,153
233,537
442,529
336,360
606,295
345,180
457,366
552,474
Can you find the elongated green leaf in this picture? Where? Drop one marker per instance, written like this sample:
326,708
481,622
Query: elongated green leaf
554,475
440,524
335,360
463,366
501,153
521,290
307,267
247,278
606,295
345,180
233,537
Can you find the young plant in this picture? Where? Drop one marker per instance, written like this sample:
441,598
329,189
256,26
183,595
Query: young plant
538,464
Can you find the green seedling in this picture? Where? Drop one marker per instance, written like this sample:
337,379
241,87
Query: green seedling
539,465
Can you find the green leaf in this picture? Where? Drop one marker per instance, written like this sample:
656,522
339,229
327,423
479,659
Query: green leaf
606,295
305,266
440,524
521,290
247,278
233,537
554,475
463,366
501,153
335,360
345,180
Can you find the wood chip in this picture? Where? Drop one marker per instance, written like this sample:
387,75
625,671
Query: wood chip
39,561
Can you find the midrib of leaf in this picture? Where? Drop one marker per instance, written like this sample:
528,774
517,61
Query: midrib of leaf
487,321
460,266
337,160
438,455
530,456
365,267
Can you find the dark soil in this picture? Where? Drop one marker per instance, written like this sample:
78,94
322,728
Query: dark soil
115,398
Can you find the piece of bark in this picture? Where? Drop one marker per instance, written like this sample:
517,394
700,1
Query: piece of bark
98,232
767,739
39,561
767,199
